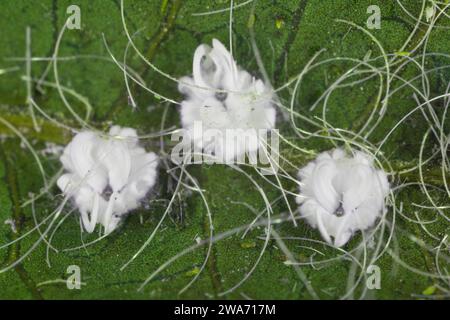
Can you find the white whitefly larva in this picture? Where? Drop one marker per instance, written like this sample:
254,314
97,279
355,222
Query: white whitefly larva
224,97
341,194
107,176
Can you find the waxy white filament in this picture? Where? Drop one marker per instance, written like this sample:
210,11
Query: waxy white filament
341,194
223,97
107,176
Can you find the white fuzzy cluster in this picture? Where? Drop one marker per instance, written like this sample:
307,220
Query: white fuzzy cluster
223,97
341,194
107,176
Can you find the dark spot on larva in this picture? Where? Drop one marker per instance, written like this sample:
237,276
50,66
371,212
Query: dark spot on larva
107,192
339,211
221,96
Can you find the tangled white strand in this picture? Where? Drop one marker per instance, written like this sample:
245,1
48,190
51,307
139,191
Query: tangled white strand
226,100
342,194
107,176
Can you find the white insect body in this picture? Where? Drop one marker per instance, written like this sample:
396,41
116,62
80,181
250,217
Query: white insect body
342,194
107,176
225,99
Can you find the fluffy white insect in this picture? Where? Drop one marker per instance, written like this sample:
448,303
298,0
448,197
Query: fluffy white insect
227,99
107,175
341,194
